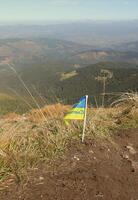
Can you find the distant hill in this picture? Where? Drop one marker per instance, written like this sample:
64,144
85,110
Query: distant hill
129,46
95,56
23,50
57,83
121,77
41,50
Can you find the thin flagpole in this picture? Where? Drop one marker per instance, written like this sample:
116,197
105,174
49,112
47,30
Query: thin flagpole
85,118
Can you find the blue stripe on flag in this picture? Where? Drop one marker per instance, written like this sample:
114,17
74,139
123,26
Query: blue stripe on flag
81,104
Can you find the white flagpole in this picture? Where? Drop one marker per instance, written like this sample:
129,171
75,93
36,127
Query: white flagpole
85,117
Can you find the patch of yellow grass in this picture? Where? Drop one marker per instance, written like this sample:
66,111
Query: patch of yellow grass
12,117
55,111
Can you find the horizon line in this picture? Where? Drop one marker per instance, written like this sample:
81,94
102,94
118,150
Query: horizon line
3,22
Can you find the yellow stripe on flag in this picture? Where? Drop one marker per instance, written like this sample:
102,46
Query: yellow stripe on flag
75,113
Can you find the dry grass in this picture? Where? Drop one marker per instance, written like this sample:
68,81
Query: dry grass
56,111
128,98
30,139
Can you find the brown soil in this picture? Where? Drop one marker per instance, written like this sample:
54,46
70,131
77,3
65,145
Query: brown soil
95,170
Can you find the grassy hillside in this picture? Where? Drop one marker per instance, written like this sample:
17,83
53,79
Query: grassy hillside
31,139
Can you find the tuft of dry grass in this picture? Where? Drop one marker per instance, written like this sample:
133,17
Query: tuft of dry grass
127,99
128,105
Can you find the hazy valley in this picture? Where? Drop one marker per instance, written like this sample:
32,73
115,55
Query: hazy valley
61,67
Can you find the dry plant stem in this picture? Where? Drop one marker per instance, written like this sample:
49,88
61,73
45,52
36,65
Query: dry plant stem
27,89
23,99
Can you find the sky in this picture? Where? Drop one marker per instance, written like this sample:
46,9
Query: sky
51,10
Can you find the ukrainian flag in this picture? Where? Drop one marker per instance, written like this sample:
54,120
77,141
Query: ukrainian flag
78,110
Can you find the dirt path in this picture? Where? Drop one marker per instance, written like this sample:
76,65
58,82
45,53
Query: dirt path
96,170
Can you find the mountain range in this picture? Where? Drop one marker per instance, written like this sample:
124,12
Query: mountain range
96,33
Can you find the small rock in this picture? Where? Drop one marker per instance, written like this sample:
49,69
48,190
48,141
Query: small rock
77,158
131,150
125,156
91,151
41,178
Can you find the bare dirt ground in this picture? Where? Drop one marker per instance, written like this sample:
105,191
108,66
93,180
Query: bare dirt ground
95,170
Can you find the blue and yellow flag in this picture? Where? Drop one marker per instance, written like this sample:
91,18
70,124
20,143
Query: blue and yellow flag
78,110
